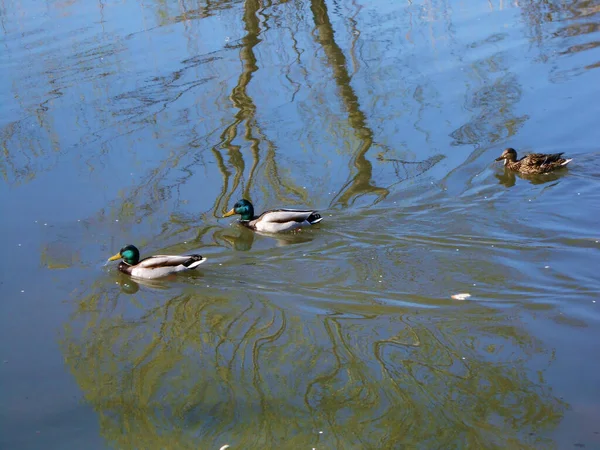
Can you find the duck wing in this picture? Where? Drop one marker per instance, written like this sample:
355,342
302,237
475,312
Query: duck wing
157,261
540,159
290,215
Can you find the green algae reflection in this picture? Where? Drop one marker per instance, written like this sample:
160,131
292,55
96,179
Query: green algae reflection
205,369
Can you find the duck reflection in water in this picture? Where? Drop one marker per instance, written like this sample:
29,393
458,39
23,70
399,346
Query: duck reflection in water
508,177
244,239
130,286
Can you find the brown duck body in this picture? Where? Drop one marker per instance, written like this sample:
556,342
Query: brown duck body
534,163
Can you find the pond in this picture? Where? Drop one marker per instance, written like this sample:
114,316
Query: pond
144,122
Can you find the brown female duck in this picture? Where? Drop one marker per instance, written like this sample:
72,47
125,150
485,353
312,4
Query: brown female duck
534,162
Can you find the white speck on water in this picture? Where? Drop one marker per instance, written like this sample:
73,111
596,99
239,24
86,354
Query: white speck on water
19,245
593,301
224,447
320,432
596,242
303,187
546,267
208,285
380,276
116,220
304,254
456,249
380,281
485,196
220,264
372,258
185,242
227,40
35,221
529,200
579,193
45,224
22,291
462,296
474,284
78,220
492,245
463,357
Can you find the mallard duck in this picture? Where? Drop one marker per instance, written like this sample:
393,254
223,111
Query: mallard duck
154,266
275,220
534,162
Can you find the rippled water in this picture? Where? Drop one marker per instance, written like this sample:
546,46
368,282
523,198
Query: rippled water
144,122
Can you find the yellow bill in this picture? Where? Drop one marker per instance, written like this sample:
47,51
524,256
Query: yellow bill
115,257
229,213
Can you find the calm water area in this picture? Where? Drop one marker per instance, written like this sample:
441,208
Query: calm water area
143,122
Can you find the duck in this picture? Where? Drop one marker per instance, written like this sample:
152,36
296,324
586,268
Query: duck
534,162
154,266
275,220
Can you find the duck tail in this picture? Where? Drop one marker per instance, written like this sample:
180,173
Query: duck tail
567,161
314,218
194,261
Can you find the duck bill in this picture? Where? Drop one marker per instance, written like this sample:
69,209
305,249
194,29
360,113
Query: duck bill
115,257
499,158
231,212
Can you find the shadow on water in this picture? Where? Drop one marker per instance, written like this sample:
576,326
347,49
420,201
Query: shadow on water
202,369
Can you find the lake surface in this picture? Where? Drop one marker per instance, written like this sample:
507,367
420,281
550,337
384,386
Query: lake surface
143,122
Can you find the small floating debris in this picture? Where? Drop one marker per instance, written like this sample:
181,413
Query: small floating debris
224,447
22,291
320,432
116,220
546,267
462,296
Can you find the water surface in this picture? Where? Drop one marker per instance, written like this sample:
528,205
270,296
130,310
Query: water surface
144,122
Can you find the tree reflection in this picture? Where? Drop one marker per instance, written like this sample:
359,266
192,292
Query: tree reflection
361,182
203,370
